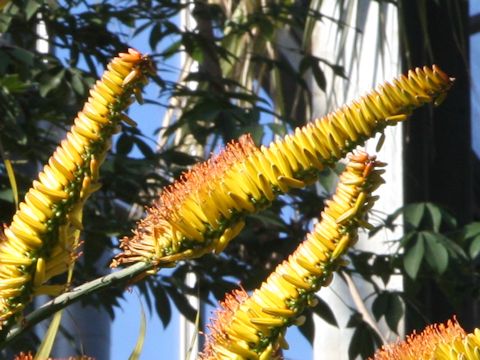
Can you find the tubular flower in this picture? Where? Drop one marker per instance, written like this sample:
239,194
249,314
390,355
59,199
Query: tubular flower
41,240
29,356
204,210
439,342
253,327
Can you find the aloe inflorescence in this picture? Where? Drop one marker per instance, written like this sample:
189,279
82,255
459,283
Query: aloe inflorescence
30,356
205,209
41,240
438,341
252,327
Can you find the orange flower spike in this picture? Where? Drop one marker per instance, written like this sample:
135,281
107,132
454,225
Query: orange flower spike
252,327
29,356
41,240
439,342
204,210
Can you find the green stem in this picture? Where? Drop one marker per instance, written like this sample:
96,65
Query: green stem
65,299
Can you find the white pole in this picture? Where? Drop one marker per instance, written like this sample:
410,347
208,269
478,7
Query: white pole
189,340
358,52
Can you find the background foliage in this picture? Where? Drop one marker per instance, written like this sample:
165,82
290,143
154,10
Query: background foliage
244,82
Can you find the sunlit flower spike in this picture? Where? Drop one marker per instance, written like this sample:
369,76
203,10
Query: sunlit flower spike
30,356
436,342
41,240
205,209
253,327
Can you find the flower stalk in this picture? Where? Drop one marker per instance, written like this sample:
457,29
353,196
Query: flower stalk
41,241
205,209
253,327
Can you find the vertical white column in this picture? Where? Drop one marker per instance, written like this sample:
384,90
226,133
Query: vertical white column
189,339
189,332
370,30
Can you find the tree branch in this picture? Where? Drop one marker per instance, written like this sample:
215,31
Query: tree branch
65,299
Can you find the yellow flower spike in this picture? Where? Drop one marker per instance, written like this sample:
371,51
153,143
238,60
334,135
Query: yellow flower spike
342,246
334,148
282,298
26,221
337,133
278,312
25,236
263,298
290,182
267,354
39,276
439,341
317,140
307,265
34,212
64,159
41,240
265,187
318,249
270,322
243,179
296,282
15,261
228,235
294,155
278,159
14,282
242,333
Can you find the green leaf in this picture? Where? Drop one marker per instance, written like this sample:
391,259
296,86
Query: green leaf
124,144
395,311
14,84
137,350
182,303
380,305
277,129
146,150
31,8
474,248
162,305
435,215
308,328
436,253
45,348
323,310
413,257
270,219
11,178
155,36
471,234
51,83
472,230
364,342
414,213
319,76
390,306
77,84
23,55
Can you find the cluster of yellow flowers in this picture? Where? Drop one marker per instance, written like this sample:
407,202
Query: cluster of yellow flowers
30,356
253,327
204,210
439,342
41,240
